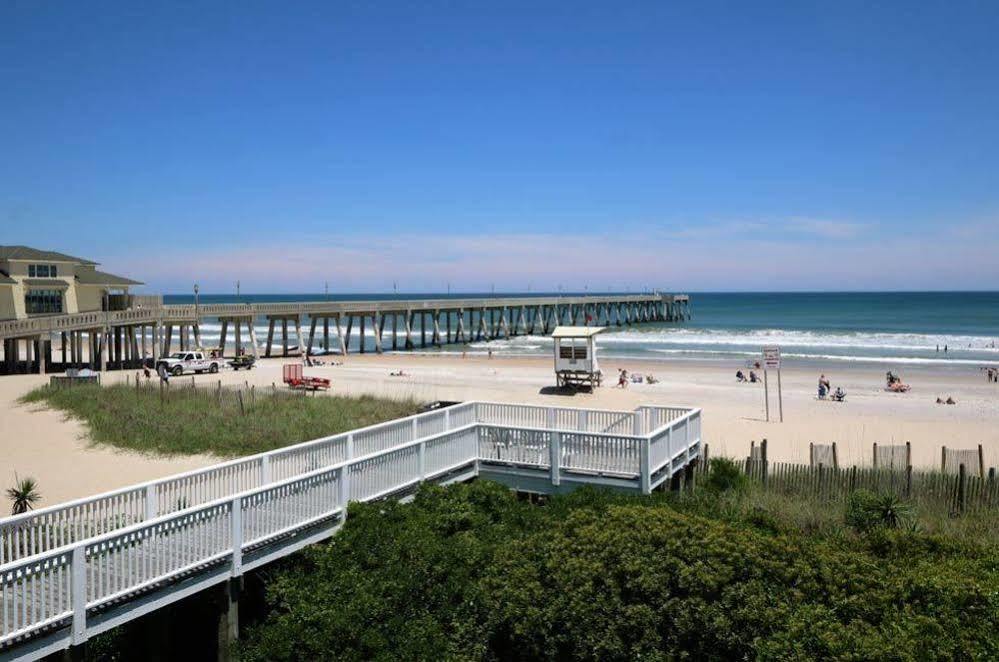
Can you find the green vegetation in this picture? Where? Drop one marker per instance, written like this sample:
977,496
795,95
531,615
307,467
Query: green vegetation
471,572
196,421
24,495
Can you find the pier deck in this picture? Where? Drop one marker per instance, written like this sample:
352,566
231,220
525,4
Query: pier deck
122,339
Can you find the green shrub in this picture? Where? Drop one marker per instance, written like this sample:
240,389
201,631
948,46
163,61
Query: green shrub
469,572
725,475
866,510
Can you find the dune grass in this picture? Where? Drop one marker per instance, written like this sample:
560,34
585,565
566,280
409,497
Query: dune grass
193,421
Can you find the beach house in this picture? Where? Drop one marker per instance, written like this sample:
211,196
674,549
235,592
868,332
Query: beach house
36,282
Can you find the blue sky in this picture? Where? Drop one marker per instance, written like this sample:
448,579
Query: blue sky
697,146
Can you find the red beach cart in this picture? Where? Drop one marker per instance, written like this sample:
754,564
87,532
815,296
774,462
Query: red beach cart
293,377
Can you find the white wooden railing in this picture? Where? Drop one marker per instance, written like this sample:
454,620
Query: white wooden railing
66,562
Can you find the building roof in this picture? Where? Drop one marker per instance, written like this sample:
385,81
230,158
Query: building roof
95,277
6,280
45,282
33,254
577,331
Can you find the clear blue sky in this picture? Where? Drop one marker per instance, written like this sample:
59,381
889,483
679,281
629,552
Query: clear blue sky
797,145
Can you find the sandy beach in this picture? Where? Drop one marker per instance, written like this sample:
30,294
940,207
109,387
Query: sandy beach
44,444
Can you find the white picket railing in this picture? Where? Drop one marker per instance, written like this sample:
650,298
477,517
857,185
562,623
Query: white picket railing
48,528
114,547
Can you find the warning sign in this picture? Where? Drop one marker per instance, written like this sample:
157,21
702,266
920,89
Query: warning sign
771,357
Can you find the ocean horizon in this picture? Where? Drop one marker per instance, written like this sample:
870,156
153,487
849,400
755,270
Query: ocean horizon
916,328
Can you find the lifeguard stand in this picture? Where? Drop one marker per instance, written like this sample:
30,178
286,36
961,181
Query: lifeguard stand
576,355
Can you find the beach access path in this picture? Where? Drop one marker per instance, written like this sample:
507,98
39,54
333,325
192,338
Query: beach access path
43,444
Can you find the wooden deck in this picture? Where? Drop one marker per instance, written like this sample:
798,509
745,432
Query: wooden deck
133,556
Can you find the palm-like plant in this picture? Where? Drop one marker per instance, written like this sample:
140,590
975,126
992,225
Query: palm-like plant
23,495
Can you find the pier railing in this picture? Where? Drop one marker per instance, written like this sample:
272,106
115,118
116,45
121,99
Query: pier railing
65,562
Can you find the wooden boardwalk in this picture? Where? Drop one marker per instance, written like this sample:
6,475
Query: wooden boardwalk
75,570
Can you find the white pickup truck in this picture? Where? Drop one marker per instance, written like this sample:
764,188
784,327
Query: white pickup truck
180,362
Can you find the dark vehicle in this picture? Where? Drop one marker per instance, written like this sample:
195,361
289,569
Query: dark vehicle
243,361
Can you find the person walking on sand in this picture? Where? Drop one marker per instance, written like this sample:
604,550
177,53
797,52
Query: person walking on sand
622,379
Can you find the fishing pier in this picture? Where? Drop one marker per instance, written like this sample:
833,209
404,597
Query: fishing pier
123,339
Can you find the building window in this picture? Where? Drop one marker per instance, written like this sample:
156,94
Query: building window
42,271
43,301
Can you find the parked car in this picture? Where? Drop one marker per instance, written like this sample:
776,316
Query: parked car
180,362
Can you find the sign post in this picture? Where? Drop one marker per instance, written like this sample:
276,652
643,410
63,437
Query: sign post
771,360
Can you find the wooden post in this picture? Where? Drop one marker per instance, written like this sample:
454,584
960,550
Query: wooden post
224,332
270,336
962,488
981,462
363,338
339,334
312,335
835,454
298,334
780,402
284,336
376,328
253,338
763,456
766,394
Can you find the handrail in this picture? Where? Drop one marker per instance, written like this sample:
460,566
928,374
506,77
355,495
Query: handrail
185,312
55,585
30,532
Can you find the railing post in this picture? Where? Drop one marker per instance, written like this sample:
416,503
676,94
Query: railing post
644,470
78,572
550,418
343,490
265,470
416,434
582,420
422,460
236,522
636,426
350,446
554,456
447,420
152,502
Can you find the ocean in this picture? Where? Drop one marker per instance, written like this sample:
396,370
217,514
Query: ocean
915,328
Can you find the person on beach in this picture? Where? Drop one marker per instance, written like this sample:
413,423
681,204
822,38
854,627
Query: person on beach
739,376
622,379
824,386
752,377
839,395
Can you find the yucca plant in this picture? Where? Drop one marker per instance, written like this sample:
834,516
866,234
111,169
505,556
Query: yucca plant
23,495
